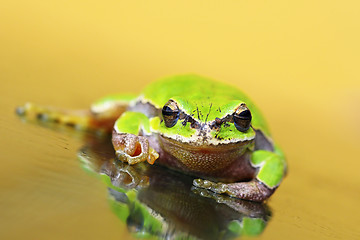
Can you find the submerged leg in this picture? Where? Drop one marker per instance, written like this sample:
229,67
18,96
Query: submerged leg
101,116
271,169
128,140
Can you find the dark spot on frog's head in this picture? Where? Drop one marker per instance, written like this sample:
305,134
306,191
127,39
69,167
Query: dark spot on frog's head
219,138
218,121
195,124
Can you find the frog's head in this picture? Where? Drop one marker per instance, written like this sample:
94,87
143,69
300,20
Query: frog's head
206,122
209,131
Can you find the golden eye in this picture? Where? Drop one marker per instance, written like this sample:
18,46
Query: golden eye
170,113
242,118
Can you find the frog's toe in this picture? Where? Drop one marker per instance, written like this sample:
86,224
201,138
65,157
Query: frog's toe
201,183
212,186
133,149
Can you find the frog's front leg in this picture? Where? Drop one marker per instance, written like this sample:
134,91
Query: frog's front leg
271,169
129,139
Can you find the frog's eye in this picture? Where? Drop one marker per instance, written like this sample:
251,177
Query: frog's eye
170,113
242,118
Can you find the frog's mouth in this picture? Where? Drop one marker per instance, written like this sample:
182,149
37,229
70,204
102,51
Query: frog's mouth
205,158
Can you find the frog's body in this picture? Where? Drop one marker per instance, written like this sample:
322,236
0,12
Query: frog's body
194,125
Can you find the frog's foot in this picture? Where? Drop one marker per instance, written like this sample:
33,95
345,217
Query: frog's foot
133,149
253,190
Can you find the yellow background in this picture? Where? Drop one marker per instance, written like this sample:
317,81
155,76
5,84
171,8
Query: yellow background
299,60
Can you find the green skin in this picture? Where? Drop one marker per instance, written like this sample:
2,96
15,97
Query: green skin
205,101
202,140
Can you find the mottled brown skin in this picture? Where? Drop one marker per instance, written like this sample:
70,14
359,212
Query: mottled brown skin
227,163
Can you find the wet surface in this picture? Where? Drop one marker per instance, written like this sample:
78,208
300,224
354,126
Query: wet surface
297,61
154,201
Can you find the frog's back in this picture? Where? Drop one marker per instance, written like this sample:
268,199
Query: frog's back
193,87
196,93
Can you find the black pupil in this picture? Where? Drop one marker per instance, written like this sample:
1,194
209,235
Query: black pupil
245,115
168,111
242,120
170,115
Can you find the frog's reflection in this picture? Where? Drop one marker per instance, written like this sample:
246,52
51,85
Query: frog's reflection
154,201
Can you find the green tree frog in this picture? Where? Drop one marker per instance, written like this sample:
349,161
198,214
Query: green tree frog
191,124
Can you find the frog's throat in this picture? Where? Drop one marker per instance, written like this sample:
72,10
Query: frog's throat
203,158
